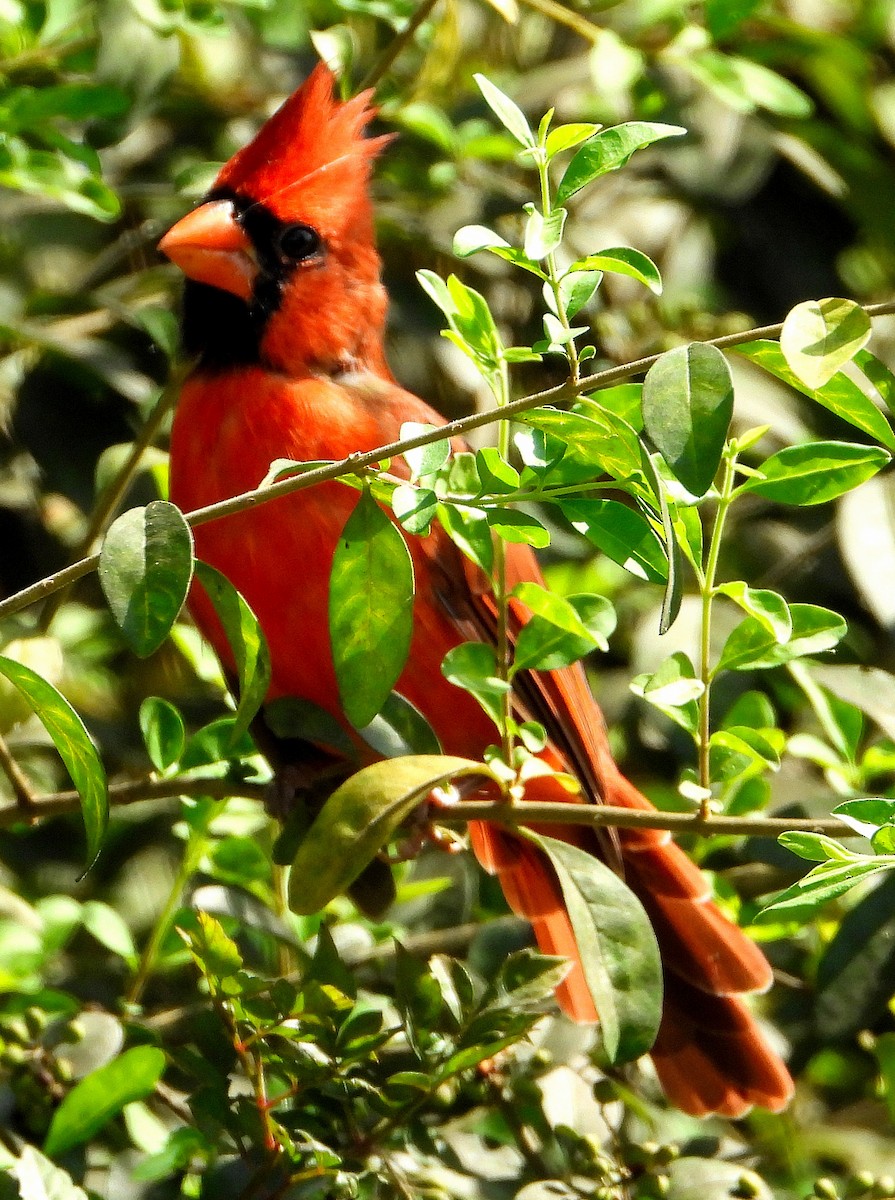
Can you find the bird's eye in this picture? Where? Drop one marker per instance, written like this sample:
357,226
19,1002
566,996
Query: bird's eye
299,242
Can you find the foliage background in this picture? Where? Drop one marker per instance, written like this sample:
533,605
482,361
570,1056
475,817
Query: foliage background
112,118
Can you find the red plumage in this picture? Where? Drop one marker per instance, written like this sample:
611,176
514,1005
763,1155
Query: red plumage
292,366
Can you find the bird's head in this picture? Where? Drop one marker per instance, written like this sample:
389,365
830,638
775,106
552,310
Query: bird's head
280,258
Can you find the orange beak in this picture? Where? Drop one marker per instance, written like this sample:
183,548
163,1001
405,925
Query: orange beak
210,247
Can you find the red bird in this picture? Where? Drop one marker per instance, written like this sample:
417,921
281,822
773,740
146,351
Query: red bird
285,311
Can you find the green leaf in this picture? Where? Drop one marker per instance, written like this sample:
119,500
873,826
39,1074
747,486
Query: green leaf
543,234
101,1095
609,150
415,507
673,690
163,732
816,472
652,466
575,290
71,739
767,607
617,945
473,238
687,407
841,395
752,646
145,569
399,729
747,86
424,460
824,883
215,953
594,437
878,375
358,819
507,111
473,667
816,847
622,533
515,526
866,816
820,336
468,528
562,630
370,610
247,642
623,260
564,137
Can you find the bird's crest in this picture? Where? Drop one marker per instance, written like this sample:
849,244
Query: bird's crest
310,160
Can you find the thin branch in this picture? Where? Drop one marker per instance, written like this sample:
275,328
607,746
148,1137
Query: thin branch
563,15
18,781
396,45
361,461
524,812
134,791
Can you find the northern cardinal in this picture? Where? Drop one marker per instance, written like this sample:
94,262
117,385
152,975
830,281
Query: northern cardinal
284,309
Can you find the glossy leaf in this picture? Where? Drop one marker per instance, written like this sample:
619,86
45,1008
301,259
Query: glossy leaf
358,819
816,472
145,569
687,407
622,533
71,739
623,260
101,1095
564,137
424,460
820,336
506,110
840,394
617,946
399,729
469,529
370,610
608,150
562,631
594,437
769,608
673,690
824,883
515,526
247,643
473,667
752,646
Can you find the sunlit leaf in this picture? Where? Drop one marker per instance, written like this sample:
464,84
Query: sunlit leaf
816,472
71,739
608,150
101,1095
820,336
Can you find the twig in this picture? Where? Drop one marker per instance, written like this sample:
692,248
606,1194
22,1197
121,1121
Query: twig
396,45
525,812
25,804
361,461
134,791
